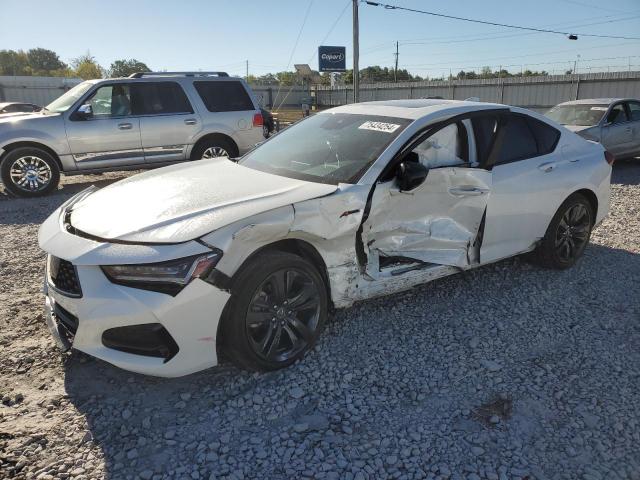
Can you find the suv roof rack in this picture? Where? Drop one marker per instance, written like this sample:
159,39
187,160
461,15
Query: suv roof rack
178,74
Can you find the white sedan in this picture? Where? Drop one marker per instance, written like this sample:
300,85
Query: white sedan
159,271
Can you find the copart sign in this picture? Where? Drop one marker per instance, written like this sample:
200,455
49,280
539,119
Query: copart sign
332,59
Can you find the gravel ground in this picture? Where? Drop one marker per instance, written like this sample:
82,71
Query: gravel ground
506,372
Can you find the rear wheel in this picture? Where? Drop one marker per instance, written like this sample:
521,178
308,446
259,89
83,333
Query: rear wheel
276,313
567,235
29,172
214,147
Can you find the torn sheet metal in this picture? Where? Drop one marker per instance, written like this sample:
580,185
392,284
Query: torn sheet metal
436,223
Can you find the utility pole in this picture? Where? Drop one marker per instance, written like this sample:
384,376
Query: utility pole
395,71
356,53
247,77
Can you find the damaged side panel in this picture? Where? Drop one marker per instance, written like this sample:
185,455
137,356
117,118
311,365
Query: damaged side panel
436,223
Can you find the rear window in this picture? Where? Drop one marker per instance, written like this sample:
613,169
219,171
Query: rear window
519,142
546,136
159,98
224,96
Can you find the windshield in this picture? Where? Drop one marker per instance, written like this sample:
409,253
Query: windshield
582,115
64,102
327,147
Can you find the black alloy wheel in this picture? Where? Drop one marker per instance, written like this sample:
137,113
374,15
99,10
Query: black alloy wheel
573,231
283,315
567,235
276,312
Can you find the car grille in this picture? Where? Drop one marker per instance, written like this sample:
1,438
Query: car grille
64,277
66,319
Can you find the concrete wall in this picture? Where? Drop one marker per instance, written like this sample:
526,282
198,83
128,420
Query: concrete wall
536,93
38,90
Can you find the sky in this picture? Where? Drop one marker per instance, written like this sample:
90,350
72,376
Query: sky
272,36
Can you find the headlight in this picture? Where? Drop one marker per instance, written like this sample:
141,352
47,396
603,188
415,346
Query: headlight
166,277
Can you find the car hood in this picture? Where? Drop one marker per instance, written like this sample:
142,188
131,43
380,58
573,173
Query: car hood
21,119
183,202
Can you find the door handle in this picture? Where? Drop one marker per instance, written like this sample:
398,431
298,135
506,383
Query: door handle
125,126
547,167
467,191
190,121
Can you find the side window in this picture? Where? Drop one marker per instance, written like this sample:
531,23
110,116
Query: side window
634,111
546,136
224,96
518,141
445,148
159,98
111,101
485,129
617,114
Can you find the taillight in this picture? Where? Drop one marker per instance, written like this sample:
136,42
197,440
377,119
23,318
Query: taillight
257,120
608,156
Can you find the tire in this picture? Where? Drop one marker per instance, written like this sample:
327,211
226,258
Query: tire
214,147
561,247
257,316
29,172
265,131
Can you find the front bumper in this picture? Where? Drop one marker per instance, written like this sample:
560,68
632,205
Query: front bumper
190,318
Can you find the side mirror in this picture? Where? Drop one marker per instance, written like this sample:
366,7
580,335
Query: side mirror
84,111
410,175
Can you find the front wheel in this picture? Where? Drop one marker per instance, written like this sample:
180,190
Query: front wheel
29,172
276,313
567,235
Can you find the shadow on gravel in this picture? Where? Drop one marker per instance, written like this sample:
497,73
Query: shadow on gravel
626,172
355,386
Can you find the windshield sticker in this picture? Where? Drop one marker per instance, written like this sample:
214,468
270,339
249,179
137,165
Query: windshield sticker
602,109
379,126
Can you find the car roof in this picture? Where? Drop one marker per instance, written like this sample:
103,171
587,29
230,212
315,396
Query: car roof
415,109
597,101
157,78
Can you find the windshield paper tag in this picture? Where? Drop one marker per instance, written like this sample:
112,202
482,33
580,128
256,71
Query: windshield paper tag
602,109
379,126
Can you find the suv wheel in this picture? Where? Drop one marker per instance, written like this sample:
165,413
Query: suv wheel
215,147
29,172
276,313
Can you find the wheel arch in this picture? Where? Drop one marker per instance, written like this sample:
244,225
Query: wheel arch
31,144
212,136
591,197
295,246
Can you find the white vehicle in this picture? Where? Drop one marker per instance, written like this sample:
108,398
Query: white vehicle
157,271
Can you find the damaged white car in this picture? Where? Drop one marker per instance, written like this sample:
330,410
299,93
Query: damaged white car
157,272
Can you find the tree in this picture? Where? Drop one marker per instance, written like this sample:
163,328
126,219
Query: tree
87,67
14,62
43,61
125,67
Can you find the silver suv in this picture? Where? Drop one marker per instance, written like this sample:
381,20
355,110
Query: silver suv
143,121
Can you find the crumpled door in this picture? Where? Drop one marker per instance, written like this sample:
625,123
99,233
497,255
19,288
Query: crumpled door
437,222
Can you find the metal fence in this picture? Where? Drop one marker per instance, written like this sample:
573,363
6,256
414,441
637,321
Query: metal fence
38,90
273,97
536,93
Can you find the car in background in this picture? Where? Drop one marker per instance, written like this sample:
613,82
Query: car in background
144,121
154,273
18,107
613,122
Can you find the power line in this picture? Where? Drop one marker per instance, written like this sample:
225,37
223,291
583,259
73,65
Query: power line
486,22
295,45
333,25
